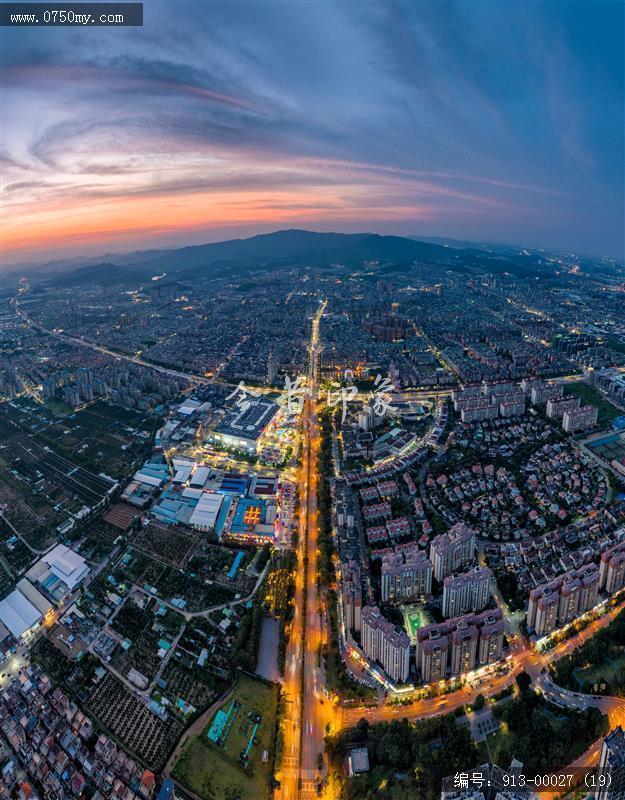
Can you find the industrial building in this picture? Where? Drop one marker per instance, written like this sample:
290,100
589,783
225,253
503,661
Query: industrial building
58,572
24,609
204,516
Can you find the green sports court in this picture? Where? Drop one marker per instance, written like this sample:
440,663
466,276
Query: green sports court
415,617
609,448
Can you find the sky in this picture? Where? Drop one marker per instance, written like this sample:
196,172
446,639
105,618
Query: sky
500,122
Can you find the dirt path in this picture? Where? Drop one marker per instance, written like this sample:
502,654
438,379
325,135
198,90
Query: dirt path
195,729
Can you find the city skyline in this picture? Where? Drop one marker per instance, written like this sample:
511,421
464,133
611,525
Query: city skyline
433,121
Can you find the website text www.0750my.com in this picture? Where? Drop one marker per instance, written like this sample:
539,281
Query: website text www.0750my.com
118,14
68,16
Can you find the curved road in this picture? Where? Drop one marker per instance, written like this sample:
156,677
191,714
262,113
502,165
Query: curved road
523,659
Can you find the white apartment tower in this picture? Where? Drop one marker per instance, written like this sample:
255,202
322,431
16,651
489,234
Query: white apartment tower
468,591
384,642
451,552
406,575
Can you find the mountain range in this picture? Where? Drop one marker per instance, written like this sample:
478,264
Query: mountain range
281,249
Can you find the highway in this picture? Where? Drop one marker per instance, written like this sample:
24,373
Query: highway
308,712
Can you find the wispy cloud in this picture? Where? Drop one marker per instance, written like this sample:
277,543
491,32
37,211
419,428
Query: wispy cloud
476,120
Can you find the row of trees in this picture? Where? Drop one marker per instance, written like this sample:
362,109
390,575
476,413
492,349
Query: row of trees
247,639
409,760
324,501
279,597
279,585
604,647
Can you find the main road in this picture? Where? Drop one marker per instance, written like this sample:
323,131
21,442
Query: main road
307,711
304,718
316,710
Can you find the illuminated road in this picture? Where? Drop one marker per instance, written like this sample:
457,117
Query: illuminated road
308,712
316,710
304,725
415,395
614,707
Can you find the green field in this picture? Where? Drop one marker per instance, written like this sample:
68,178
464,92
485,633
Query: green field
415,617
588,394
214,771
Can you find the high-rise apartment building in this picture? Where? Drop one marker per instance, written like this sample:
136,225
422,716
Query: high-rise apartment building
579,419
351,586
272,369
612,764
406,575
612,568
459,645
468,591
560,601
542,392
557,406
432,658
452,551
386,643
463,648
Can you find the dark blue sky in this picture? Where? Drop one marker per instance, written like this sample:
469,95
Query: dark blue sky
496,121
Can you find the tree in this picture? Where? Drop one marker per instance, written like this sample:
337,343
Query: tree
523,681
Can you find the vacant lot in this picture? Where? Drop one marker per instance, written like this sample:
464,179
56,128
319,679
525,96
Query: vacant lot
215,771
